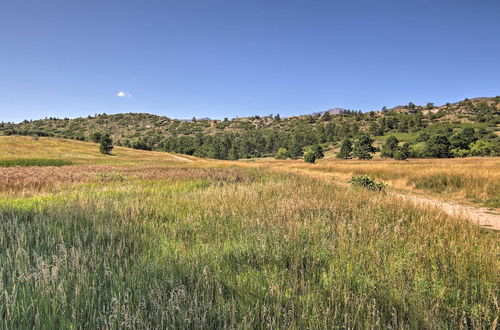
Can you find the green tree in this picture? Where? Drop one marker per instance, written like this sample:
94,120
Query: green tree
402,152
282,153
389,147
106,144
482,148
96,137
345,149
363,147
318,152
310,157
438,146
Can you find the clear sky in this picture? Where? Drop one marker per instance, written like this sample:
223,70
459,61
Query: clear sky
212,58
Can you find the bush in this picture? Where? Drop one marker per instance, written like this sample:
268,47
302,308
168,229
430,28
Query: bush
310,157
367,182
482,148
419,150
282,153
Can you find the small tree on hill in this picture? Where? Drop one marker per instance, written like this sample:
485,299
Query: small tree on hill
364,148
389,147
309,158
106,144
345,149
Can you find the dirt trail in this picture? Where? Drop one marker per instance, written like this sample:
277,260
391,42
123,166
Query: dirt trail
181,158
481,216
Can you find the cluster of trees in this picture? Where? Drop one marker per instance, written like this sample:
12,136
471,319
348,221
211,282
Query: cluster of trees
444,144
290,137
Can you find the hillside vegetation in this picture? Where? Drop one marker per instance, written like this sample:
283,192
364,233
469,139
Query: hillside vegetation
163,242
466,128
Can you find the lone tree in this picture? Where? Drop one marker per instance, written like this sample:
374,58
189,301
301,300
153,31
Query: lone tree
389,147
106,144
364,148
345,149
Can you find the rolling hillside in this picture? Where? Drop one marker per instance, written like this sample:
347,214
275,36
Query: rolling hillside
263,136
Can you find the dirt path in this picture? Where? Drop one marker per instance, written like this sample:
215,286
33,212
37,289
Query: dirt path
481,216
182,159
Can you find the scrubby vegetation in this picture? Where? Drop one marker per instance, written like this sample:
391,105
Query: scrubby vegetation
466,128
367,182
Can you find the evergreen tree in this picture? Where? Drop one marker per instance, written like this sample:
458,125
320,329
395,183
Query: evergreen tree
345,150
318,152
363,148
309,158
389,147
106,144
438,146
402,152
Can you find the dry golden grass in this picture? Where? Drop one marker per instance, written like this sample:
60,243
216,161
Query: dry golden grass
472,179
78,152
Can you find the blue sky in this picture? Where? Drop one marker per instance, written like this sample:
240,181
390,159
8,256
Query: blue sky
211,58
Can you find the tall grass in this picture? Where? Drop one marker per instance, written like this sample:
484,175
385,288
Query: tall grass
248,249
476,180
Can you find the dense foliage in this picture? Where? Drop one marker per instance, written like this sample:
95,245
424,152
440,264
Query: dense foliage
462,129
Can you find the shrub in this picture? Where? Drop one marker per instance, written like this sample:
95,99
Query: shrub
310,157
482,148
419,150
367,182
282,153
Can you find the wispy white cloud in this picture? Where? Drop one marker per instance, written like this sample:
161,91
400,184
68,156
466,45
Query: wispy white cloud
124,94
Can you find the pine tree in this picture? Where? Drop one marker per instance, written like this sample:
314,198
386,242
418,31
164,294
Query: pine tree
363,148
345,150
318,152
389,147
106,144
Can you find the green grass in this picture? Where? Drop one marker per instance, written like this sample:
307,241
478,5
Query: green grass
33,162
402,137
259,251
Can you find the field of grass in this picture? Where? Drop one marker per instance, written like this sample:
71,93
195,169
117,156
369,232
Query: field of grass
27,162
230,245
475,180
77,152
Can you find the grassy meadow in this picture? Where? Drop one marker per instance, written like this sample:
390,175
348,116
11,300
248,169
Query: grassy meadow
149,240
472,180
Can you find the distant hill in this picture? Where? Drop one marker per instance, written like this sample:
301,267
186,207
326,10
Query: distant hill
260,136
333,111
